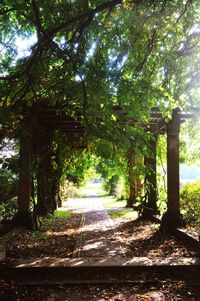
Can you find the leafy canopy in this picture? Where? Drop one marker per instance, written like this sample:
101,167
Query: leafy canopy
92,56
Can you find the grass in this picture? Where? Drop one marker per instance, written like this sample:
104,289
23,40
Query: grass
62,213
125,214
111,202
88,190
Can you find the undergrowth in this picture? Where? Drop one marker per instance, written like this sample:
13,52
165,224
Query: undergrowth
190,203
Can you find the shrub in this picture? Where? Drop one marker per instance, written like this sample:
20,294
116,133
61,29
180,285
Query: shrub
8,192
68,190
190,202
8,209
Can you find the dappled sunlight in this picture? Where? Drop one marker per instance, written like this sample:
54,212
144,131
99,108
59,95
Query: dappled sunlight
102,261
93,245
88,236
94,227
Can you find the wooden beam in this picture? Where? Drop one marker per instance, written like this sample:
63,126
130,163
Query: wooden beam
172,217
150,208
24,216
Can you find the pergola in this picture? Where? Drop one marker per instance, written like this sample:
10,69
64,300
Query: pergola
36,133
51,120
158,125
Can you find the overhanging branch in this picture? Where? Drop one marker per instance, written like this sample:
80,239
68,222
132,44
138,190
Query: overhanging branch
90,13
48,36
40,31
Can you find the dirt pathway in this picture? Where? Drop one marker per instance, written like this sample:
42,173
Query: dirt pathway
97,234
97,239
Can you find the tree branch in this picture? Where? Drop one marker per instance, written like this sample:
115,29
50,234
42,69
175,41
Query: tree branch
49,35
90,13
188,48
81,29
184,10
62,55
149,49
40,32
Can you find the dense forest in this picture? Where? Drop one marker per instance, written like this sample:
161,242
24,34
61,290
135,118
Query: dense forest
89,89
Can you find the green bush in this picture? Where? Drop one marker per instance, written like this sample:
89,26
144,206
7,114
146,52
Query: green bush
68,190
190,203
8,192
8,209
110,184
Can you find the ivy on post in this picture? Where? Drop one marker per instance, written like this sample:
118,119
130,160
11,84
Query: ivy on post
150,207
44,167
173,217
131,175
23,216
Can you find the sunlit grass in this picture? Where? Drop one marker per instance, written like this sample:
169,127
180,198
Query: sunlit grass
104,194
111,202
125,214
62,213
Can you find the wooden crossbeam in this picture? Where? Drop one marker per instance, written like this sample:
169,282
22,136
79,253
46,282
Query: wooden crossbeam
73,127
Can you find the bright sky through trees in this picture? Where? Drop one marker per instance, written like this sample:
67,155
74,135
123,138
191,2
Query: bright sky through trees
24,45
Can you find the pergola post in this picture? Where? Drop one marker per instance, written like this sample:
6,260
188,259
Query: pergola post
44,144
24,216
150,207
172,217
132,181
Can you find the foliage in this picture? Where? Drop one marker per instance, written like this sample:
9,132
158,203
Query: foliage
77,166
110,61
101,54
68,190
120,188
111,165
190,202
8,183
161,162
8,209
190,143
